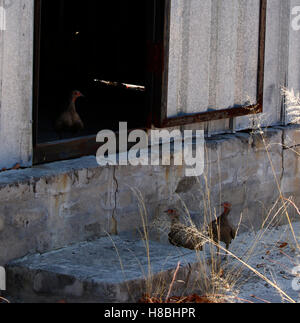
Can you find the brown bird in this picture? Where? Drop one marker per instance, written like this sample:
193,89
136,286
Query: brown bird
183,236
221,229
70,120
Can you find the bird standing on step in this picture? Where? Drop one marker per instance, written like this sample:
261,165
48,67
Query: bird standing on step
221,229
183,236
70,119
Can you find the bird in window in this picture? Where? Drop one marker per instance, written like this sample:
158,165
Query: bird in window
180,235
221,229
70,120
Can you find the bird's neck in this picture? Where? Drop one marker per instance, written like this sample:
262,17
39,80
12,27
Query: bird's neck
72,106
226,212
74,99
175,220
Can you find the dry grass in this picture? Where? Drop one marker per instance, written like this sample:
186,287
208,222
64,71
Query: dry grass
292,101
217,281
4,300
220,283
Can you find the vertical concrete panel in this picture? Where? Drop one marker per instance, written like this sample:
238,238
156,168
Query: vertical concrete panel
221,38
276,64
294,45
213,55
16,56
294,51
174,59
245,64
189,56
247,49
2,30
226,50
198,55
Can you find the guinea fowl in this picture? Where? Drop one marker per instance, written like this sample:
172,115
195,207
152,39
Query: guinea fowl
183,236
70,120
221,229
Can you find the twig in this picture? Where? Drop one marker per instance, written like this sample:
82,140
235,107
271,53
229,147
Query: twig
281,265
173,281
260,299
291,259
294,205
252,269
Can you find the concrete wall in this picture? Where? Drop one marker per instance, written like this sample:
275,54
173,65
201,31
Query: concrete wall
16,69
54,205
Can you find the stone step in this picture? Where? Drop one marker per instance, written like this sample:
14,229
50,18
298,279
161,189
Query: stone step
117,269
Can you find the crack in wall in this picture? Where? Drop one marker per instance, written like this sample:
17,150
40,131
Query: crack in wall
114,226
282,156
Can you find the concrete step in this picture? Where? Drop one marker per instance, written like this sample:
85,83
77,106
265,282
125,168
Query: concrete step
116,269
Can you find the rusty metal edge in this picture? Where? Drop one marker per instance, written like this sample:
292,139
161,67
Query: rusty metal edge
212,115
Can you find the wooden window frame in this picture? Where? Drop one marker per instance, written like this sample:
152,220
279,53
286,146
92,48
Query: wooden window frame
161,119
157,84
85,146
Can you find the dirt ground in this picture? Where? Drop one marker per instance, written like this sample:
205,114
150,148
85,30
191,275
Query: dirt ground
275,256
274,253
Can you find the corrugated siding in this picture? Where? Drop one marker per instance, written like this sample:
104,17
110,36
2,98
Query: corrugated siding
214,53
294,57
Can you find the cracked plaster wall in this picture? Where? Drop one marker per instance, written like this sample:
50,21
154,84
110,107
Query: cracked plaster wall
51,206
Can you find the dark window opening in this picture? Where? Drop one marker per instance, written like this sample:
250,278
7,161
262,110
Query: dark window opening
116,53
100,49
